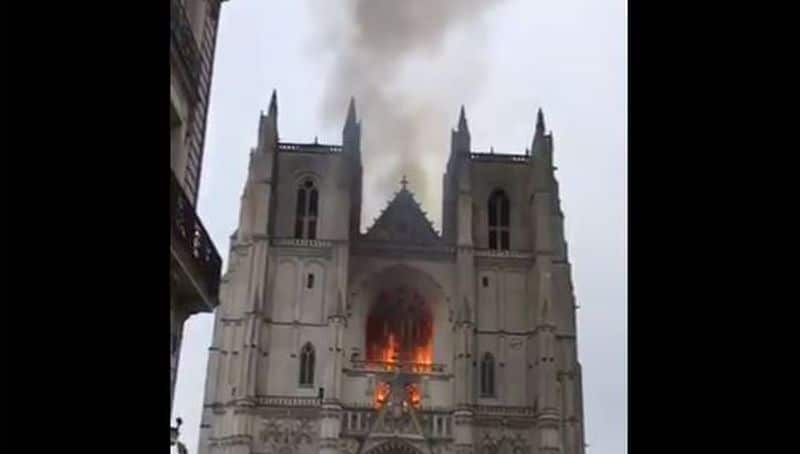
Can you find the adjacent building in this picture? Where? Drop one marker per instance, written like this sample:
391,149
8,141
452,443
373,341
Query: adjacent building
195,264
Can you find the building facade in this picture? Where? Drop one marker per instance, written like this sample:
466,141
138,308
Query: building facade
399,339
195,264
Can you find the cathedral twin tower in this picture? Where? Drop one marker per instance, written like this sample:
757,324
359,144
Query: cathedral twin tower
332,340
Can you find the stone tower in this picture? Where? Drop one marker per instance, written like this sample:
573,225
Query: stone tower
332,340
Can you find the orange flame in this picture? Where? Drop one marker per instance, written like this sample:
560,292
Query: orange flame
389,351
414,396
382,391
423,354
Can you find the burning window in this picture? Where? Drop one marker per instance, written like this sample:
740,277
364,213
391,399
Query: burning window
400,329
413,396
382,392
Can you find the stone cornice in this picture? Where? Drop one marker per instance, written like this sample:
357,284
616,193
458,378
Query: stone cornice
297,323
369,406
303,248
528,333
431,252
503,410
231,440
301,243
510,254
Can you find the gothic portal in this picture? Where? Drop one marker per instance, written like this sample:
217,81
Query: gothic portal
399,339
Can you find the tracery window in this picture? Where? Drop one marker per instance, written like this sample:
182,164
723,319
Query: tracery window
499,215
307,365
487,375
306,216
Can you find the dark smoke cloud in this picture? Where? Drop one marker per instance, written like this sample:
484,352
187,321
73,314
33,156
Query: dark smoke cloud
390,55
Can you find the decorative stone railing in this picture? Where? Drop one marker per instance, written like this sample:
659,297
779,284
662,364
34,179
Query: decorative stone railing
493,253
403,367
387,247
300,242
503,410
500,157
288,401
309,147
360,421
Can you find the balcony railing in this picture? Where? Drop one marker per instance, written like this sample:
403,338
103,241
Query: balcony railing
309,147
183,42
500,157
192,237
391,366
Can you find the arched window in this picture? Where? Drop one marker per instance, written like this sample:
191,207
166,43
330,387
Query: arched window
306,216
499,207
487,375
307,365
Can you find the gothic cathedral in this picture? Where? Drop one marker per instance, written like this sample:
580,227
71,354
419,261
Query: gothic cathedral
400,339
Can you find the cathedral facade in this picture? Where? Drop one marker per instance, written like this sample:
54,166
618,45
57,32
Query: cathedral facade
399,338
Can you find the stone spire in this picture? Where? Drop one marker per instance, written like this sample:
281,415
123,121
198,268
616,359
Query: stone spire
351,148
273,103
540,123
462,121
351,133
351,113
541,140
460,138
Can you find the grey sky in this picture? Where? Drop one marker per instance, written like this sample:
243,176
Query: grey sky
568,57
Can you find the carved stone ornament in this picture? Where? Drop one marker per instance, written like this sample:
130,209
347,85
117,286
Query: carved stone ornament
348,446
284,436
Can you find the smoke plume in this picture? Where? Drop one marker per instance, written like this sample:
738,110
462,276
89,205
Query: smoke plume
410,65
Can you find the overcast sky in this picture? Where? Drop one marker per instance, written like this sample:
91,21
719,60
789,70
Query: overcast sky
503,59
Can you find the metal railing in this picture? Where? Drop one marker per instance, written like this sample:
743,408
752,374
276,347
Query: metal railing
192,237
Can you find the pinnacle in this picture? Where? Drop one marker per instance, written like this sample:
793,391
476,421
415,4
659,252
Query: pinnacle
462,121
540,121
351,111
273,102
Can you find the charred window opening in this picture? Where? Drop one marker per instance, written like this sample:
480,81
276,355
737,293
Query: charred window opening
499,219
305,225
487,375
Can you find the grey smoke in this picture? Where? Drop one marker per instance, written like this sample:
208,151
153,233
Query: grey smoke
409,80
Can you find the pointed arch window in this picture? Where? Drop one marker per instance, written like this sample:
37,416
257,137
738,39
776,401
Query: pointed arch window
307,365
487,375
499,215
306,215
